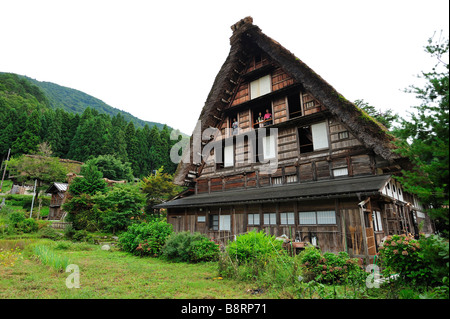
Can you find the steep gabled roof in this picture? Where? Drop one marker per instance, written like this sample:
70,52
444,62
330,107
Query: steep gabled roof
248,37
57,187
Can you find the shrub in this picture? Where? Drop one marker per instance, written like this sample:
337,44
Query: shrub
401,254
69,231
423,261
252,256
15,218
189,247
20,223
330,268
434,253
146,239
80,235
28,225
204,250
254,246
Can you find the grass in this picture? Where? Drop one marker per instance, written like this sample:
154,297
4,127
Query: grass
113,275
49,257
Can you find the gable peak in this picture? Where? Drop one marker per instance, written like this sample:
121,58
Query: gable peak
241,23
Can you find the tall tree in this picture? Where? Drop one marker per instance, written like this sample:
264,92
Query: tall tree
28,142
144,151
132,148
425,138
55,132
154,141
91,137
158,188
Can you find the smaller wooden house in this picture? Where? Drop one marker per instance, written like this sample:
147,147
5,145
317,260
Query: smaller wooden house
58,191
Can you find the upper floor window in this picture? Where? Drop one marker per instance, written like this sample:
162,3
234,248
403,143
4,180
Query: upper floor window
313,137
342,171
262,115
294,105
277,180
228,153
224,157
269,146
260,87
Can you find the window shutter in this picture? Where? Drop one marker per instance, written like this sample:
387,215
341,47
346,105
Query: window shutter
225,222
269,146
260,87
228,156
319,135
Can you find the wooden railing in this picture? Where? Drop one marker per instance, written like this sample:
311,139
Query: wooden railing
59,225
262,123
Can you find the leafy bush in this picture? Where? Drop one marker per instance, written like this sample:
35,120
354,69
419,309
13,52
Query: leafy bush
400,254
83,213
435,255
423,261
204,250
69,231
112,210
254,246
15,218
330,268
118,207
19,223
112,167
189,247
28,225
146,239
90,183
254,256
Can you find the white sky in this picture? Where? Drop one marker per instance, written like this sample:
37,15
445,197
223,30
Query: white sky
158,59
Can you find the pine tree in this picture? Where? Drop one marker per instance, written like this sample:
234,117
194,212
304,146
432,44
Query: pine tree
425,140
154,142
54,132
29,140
132,148
143,137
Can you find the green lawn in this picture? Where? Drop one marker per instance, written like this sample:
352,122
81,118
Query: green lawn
113,274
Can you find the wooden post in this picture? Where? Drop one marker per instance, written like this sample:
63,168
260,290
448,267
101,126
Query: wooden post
34,195
4,171
343,225
363,231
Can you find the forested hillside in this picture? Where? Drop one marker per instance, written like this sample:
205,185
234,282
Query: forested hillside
74,101
27,119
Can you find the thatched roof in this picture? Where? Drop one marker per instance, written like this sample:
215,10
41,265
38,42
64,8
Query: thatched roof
247,38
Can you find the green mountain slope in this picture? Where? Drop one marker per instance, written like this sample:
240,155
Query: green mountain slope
75,101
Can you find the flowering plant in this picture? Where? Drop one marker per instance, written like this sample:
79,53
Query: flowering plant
328,267
401,254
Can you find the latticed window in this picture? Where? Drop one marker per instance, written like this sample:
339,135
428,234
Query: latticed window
319,217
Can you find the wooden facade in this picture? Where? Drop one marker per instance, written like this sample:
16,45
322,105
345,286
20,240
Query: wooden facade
58,192
332,184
